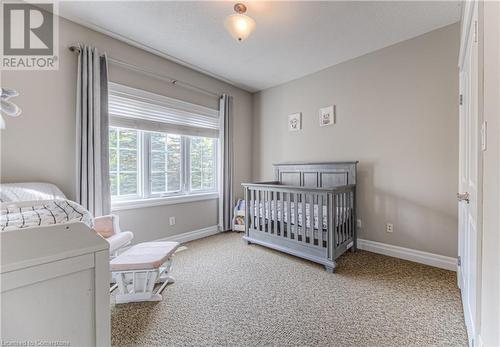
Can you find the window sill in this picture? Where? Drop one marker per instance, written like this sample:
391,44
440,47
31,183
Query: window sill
171,200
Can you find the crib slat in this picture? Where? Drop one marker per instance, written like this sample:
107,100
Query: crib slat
254,220
297,224
337,218
313,201
341,221
300,227
332,224
265,213
273,219
296,216
353,225
270,219
248,207
343,218
351,215
320,221
276,199
257,210
261,211
268,209
271,210
264,210
307,198
281,221
341,225
348,216
304,217
289,216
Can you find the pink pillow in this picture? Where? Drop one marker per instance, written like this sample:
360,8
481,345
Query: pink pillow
104,226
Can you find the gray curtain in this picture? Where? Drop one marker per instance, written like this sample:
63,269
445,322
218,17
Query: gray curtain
226,199
92,122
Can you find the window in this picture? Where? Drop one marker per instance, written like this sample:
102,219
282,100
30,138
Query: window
123,162
160,147
146,164
165,156
203,164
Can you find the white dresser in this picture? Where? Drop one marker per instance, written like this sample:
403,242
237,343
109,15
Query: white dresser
54,285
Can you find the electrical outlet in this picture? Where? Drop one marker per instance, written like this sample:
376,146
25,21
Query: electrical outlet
389,227
359,224
171,220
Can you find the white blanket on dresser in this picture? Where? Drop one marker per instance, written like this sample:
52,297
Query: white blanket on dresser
26,214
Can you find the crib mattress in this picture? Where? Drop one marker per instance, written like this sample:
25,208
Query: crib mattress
342,213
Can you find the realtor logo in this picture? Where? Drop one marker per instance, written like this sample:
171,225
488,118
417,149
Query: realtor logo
29,36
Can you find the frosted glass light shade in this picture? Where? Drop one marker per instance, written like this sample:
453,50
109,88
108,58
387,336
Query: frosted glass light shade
239,26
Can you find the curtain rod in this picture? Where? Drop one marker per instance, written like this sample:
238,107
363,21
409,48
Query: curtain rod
164,78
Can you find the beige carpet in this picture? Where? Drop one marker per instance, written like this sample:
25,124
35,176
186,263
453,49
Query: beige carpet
231,294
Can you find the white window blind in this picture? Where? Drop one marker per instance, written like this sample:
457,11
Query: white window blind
138,109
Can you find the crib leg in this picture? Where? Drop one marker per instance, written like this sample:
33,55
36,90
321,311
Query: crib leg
331,269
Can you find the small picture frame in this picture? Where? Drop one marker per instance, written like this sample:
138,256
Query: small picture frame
327,116
295,122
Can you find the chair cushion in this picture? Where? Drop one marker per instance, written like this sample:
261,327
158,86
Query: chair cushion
104,226
119,240
144,256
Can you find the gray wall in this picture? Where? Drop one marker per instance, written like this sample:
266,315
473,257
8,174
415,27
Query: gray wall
397,113
40,144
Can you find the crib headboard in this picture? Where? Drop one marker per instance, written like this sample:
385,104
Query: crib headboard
316,175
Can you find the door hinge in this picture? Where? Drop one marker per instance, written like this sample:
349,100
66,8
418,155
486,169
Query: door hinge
461,99
459,261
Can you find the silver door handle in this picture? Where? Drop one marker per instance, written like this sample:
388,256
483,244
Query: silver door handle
463,197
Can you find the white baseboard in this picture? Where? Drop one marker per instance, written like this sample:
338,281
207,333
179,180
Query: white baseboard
192,235
426,258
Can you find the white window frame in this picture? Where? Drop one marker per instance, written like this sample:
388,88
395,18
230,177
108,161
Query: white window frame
145,197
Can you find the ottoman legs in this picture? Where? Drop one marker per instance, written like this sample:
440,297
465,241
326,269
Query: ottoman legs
138,285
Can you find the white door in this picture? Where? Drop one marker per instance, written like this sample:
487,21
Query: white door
469,174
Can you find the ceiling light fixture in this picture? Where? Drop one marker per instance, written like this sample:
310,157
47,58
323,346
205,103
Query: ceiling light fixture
239,25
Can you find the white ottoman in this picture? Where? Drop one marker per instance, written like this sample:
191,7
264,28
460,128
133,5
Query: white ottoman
139,268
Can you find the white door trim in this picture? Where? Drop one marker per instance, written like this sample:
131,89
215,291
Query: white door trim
465,30
470,171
